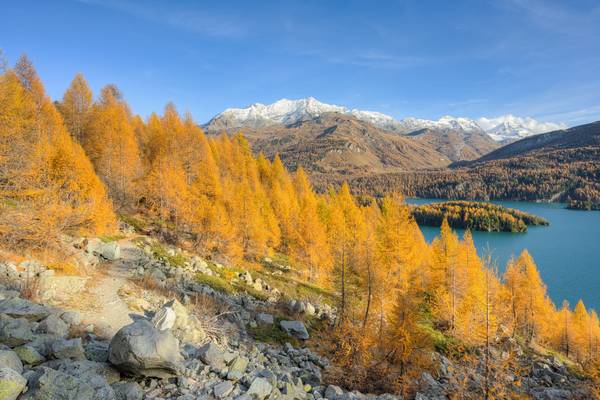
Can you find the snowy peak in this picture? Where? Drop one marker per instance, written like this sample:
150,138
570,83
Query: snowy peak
509,127
283,111
503,128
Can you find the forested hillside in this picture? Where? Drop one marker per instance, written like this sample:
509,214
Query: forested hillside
566,175
72,168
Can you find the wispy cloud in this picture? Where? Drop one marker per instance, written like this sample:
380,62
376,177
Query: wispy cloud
210,24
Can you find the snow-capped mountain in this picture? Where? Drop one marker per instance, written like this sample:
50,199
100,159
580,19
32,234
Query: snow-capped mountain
510,128
287,112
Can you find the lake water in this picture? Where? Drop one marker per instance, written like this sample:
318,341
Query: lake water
567,252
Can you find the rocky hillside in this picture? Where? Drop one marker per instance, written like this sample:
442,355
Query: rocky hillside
340,144
582,136
167,324
343,145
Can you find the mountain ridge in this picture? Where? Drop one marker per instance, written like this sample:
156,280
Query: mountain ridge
286,111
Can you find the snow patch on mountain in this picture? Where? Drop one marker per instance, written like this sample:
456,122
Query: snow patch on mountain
287,112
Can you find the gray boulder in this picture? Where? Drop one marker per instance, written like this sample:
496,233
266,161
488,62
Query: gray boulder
29,355
11,383
212,355
21,308
109,251
259,389
264,319
46,384
295,328
222,389
237,368
141,349
128,391
333,392
97,375
71,317
10,359
14,331
71,349
53,325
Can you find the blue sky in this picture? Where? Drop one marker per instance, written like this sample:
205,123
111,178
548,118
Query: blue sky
426,59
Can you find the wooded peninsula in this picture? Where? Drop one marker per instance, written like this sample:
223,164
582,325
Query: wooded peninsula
476,216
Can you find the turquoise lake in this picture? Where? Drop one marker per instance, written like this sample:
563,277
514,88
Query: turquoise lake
567,252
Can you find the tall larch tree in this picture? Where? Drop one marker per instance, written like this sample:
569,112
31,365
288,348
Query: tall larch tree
76,106
111,144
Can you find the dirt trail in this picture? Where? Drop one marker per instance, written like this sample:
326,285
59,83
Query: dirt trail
103,306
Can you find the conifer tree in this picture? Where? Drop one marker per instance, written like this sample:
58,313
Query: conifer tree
76,106
111,144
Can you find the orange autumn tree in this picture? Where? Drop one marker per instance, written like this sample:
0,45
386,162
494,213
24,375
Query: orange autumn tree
76,106
47,185
109,141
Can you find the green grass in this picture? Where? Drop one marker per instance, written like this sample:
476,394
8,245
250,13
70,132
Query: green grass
112,238
441,342
217,283
9,203
137,224
272,334
160,252
259,295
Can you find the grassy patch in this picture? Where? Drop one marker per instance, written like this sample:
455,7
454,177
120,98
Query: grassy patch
217,283
257,294
309,290
272,334
137,224
112,238
441,342
160,252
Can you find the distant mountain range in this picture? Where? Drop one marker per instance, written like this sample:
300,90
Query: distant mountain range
506,157
331,139
286,112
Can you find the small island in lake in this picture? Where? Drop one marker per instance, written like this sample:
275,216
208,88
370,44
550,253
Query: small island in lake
476,216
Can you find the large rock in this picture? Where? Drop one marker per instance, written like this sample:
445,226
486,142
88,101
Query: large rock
141,349
237,368
128,391
29,355
110,251
98,375
259,389
14,331
333,392
11,383
53,325
10,359
212,355
164,319
21,308
71,349
48,384
264,319
222,389
295,328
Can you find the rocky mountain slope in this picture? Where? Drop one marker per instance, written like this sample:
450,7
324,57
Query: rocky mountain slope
339,144
187,338
582,136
